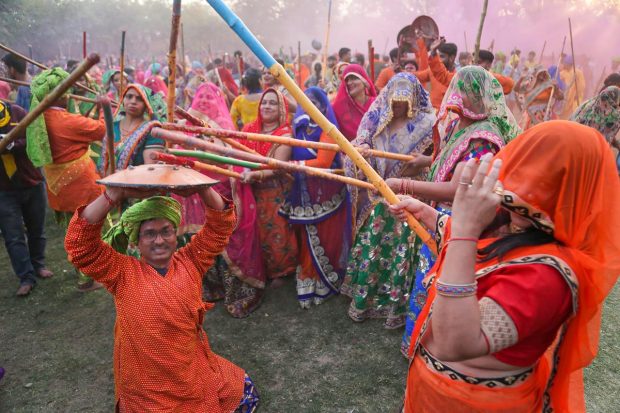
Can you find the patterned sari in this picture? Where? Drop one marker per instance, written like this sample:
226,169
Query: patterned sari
380,268
602,113
476,95
276,236
319,210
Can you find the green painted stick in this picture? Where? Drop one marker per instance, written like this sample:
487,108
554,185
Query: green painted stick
215,158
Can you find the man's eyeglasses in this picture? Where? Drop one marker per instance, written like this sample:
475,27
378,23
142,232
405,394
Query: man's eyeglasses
151,235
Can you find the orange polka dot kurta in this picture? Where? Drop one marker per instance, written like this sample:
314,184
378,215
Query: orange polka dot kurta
162,358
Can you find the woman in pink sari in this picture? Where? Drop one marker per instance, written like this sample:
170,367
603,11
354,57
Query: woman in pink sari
238,275
355,95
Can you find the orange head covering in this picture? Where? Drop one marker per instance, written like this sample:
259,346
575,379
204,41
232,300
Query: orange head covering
563,177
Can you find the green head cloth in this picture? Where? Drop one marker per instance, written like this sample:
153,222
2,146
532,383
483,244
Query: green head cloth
38,145
127,229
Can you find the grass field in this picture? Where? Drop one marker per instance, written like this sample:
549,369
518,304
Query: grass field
56,346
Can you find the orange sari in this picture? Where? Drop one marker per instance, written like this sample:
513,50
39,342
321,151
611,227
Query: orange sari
562,177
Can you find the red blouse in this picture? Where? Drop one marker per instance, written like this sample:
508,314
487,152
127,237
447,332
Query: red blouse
537,299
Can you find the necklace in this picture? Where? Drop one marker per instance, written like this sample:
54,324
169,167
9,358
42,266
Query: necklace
126,131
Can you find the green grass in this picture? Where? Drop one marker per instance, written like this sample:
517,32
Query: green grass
56,346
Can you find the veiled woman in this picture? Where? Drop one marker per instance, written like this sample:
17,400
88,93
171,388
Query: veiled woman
355,95
514,302
319,210
271,188
538,95
238,274
380,268
602,113
473,120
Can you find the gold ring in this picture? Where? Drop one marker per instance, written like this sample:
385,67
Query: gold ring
468,184
499,191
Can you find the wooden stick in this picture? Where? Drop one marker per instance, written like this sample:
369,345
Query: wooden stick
542,52
483,16
49,100
326,45
122,89
84,45
572,50
371,60
599,84
22,83
557,76
280,140
172,57
183,52
299,63
109,129
176,160
199,122
466,47
184,140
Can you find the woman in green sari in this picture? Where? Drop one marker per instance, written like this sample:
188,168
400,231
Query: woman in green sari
473,120
380,267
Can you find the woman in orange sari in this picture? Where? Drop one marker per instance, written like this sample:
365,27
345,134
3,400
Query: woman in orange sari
271,189
513,315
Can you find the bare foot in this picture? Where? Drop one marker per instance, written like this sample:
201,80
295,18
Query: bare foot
24,290
91,285
45,273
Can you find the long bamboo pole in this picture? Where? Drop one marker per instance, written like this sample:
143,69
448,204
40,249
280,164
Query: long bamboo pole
542,52
122,88
483,16
84,54
199,122
600,80
557,76
183,65
177,160
182,139
109,129
572,50
326,44
299,63
280,74
224,134
49,100
172,57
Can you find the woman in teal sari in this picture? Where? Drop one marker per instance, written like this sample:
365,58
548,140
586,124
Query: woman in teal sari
380,267
473,120
133,142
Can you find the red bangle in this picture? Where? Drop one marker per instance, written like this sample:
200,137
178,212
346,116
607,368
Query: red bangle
107,198
401,189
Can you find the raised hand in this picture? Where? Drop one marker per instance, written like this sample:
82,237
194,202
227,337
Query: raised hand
477,197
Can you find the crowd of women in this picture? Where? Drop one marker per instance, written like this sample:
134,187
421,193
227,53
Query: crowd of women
524,215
